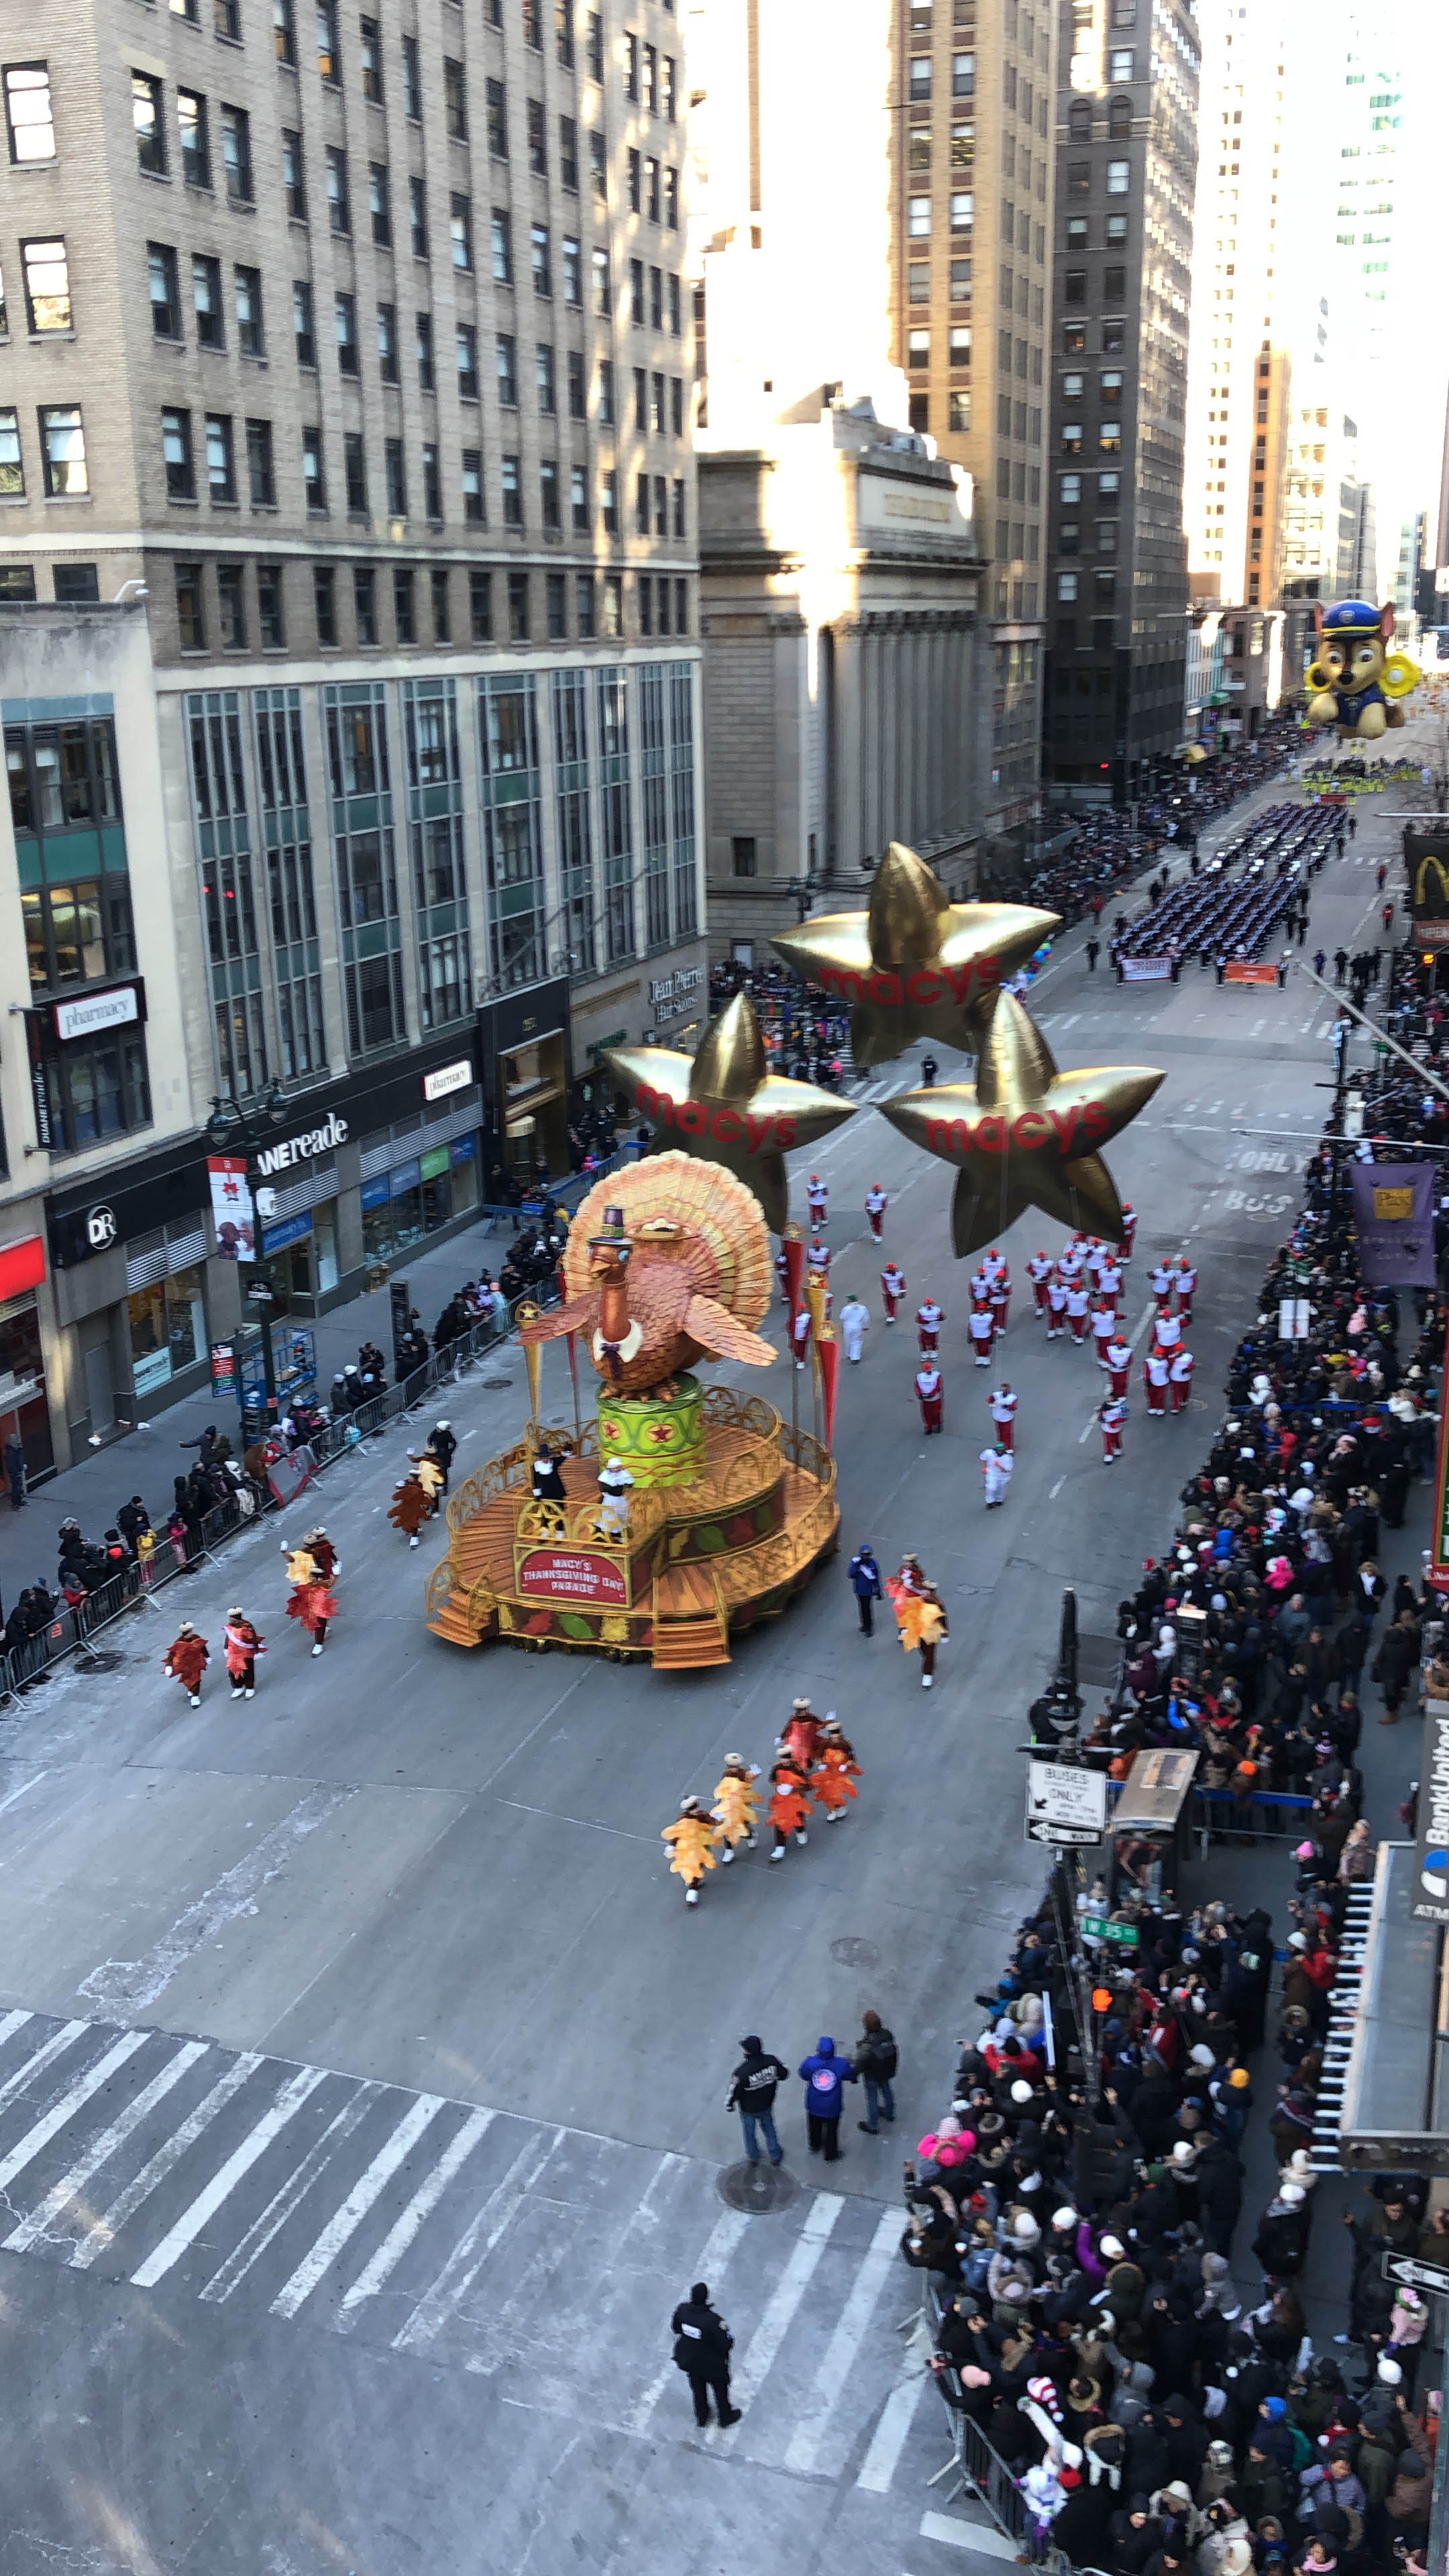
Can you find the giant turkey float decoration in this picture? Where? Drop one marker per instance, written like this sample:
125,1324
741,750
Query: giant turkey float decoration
729,1510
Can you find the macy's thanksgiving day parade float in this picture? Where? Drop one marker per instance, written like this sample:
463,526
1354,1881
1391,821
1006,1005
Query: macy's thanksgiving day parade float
681,1513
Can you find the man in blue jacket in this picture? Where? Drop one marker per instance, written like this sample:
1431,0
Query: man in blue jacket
866,1582
825,2076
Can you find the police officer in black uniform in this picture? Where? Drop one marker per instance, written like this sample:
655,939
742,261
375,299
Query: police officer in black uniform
702,2346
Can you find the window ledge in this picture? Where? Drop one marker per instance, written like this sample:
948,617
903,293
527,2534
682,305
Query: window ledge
68,500
154,178
12,500
40,339
249,359
224,505
182,501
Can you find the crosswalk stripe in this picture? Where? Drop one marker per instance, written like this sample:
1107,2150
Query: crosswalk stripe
102,2148
60,2040
478,2239
421,2206
108,2226
191,2222
889,2438
26,2149
788,2292
368,2188
293,2191
982,2536
724,2236
12,2022
806,2441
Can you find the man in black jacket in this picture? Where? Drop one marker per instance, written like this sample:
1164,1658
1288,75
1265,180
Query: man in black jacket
752,2094
702,2345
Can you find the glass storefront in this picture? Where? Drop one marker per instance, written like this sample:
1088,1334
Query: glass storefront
168,1327
301,1252
23,1405
402,1207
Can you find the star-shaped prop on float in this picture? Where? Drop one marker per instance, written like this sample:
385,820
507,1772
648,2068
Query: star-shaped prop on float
915,965
1025,1135
726,1106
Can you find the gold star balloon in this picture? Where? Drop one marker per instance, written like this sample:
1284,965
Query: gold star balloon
726,1106
1024,1135
914,965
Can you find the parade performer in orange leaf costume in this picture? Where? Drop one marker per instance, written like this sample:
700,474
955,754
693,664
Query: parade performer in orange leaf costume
801,1734
411,1505
920,1615
737,1804
313,1600
692,1841
790,1803
836,1773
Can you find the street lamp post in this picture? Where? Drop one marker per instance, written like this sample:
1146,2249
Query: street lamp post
229,1125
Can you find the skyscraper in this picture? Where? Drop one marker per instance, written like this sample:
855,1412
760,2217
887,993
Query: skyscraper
1127,107
973,190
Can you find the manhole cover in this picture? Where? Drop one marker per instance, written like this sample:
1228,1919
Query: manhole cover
103,1662
853,1953
759,2190
498,1381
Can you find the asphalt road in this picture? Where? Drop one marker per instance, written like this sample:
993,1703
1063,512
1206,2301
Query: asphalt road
361,2071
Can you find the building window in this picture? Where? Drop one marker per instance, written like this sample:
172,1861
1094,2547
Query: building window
314,479
190,611
920,80
1069,537
455,101
250,338
12,468
507,367
1119,126
918,281
236,154
1119,178
1071,438
1077,229
195,139
231,606
302,330
403,606
426,379
613,604
379,204
609,501
606,393
412,80
1121,66
963,75
364,603
958,410
480,605
518,612
432,483
165,291
329,59
744,855
1109,438
537,139
579,500
1070,488
206,300
97,1087
47,285
548,492
339,204
271,621
387,349
220,461
1066,585
460,231
29,119
147,117
261,475
369,49
395,478
1116,229
573,274
1074,286
497,120
294,177
584,605
963,210
63,452
177,457
918,349
418,217
603,293
512,490
472,476
324,603
545,380
345,310
1114,285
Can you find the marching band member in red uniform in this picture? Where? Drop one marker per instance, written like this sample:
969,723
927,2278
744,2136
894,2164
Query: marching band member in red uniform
1111,1415
876,1203
1118,1356
929,1318
1180,1368
931,1388
1078,1304
1003,1413
1186,1287
1039,1271
1156,1369
892,1288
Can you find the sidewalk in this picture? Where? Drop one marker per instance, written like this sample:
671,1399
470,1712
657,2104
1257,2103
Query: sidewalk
146,1460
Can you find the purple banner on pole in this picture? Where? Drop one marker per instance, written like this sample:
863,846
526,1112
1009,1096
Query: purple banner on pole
1393,1206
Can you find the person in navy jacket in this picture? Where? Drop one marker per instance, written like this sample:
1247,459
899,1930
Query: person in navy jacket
825,2076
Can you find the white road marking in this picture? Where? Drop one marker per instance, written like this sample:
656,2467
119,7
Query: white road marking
102,2148
12,2022
66,2037
26,2149
967,2535
723,2238
108,2226
474,2246
803,2455
785,2298
15,1795
240,2162
294,2190
370,2186
889,2438
1057,1487
423,2202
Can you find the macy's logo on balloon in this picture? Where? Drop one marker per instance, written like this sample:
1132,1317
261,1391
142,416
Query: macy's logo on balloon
924,984
726,1126
1074,1131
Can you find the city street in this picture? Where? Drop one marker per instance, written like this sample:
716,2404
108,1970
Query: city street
361,2071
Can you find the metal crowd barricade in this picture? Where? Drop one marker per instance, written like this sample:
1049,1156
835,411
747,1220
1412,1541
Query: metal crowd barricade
1217,1816
982,2473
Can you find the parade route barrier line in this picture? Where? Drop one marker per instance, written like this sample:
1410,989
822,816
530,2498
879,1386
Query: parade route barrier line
76,1631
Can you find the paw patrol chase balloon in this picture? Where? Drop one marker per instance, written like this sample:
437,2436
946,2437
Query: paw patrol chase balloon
1354,680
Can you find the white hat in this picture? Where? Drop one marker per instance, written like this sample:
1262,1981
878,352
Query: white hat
1064,2217
1292,2193
613,1462
1024,2228
1112,2245
1184,2152
1021,2090
1390,2373
1201,2055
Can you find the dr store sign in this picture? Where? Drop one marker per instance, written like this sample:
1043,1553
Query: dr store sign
101,1228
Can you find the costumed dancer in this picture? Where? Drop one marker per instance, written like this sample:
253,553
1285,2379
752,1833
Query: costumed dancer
996,1466
1129,1232
1058,1291
1155,1372
411,1505
1111,1414
1118,1356
615,1484
801,1735
324,1554
920,1615
736,1805
1186,1287
836,1773
545,1478
186,1660
1162,1280
892,1288
790,1803
1039,1271
243,1645
1000,1293
1179,1371
818,1194
1003,1413
430,1475
929,1318
1078,1307
876,1203
1104,1328
313,1600
983,1333
931,1389
692,1841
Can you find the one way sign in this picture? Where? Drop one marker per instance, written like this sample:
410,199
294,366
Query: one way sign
1411,2274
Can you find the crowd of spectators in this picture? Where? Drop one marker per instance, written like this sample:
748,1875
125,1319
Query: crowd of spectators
807,1033
1141,2364
1256,883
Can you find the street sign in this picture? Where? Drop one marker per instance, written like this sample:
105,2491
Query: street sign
263,1291
1294,1316
1098,1928
1414,2275
1065,1805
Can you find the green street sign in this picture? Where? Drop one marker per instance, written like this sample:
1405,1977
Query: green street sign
1099,1929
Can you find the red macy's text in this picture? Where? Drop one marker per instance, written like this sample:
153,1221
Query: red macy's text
1073,1131
727,1126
